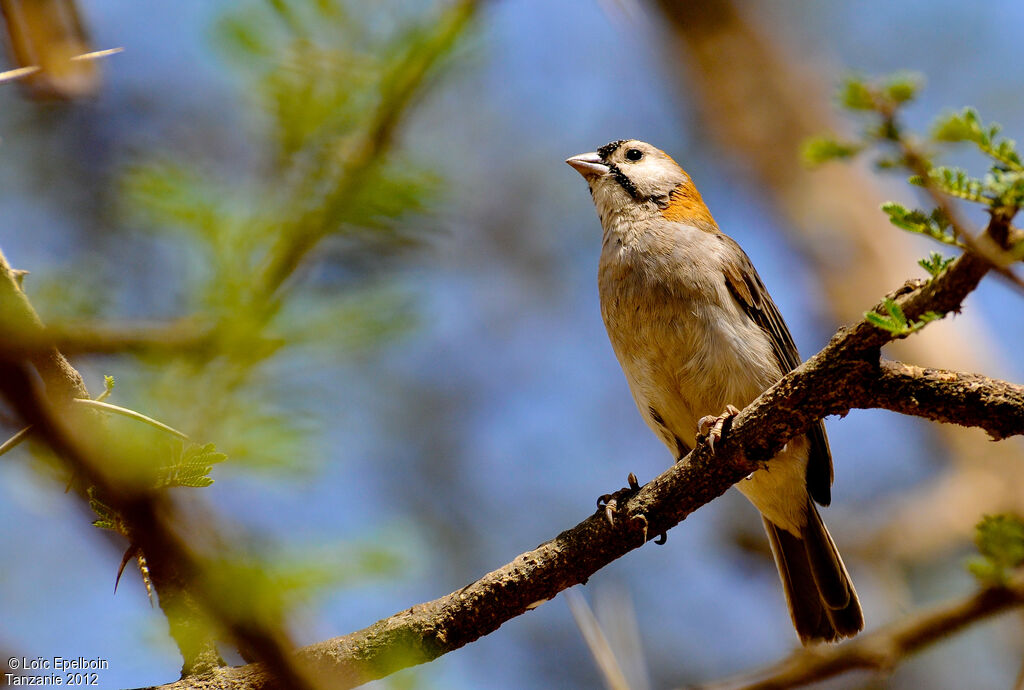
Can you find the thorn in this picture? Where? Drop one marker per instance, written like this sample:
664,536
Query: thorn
128,554
97,54
12,74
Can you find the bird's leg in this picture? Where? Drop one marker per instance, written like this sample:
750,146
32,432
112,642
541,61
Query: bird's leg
713,427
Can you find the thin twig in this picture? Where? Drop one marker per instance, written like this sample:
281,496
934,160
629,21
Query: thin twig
997,257
882,649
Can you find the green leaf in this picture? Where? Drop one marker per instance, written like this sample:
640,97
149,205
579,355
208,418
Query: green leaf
188,466
967,126
824,148
1006,187
935,263
856,94
955,182
896,312
902,87
107,517
877,319
896,322
1000,542
934,225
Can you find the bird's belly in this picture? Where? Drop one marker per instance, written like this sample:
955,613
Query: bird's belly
690,360
687,363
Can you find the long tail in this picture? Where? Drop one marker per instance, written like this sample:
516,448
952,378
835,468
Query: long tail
820,594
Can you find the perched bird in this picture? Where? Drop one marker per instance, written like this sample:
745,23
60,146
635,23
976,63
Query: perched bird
696,333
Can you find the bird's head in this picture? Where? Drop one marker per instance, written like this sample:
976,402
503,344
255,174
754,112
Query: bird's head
630,179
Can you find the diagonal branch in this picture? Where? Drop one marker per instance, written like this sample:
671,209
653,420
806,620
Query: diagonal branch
883,649
840,377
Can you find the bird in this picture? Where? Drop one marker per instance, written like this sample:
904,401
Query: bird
696,332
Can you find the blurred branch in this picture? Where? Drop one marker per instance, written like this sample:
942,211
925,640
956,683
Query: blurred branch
182,576
883,649
181,335
18,318
47,40
842,376
176,570
597,642
64,386
405,84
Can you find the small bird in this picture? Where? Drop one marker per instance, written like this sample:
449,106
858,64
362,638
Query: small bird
696,333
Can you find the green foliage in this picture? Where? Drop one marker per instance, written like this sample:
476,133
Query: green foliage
902,87
266,585
955,182
107,517
935,263
883,95
880,101
178,465
189,465
967,126
934,224
1006,187
825,148
896,322
327,85
1000,542
855,94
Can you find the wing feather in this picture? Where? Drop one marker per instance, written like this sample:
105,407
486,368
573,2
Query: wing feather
752,296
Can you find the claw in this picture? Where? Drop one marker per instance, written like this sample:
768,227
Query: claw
662,538
610,502
713,427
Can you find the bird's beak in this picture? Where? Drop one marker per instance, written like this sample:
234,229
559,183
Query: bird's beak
589,165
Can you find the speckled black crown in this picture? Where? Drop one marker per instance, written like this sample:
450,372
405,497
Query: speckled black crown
610,148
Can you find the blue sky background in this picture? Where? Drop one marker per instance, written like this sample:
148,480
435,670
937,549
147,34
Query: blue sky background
499,418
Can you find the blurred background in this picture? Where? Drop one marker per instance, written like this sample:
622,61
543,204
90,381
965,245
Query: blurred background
430,391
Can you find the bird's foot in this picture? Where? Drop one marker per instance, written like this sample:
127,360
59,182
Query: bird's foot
714,427
611,502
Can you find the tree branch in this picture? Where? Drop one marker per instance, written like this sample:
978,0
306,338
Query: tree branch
840,377
951,397
883,649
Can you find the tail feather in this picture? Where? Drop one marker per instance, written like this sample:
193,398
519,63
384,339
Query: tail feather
822,601
827,567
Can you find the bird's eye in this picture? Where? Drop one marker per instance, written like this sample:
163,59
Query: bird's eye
634,155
